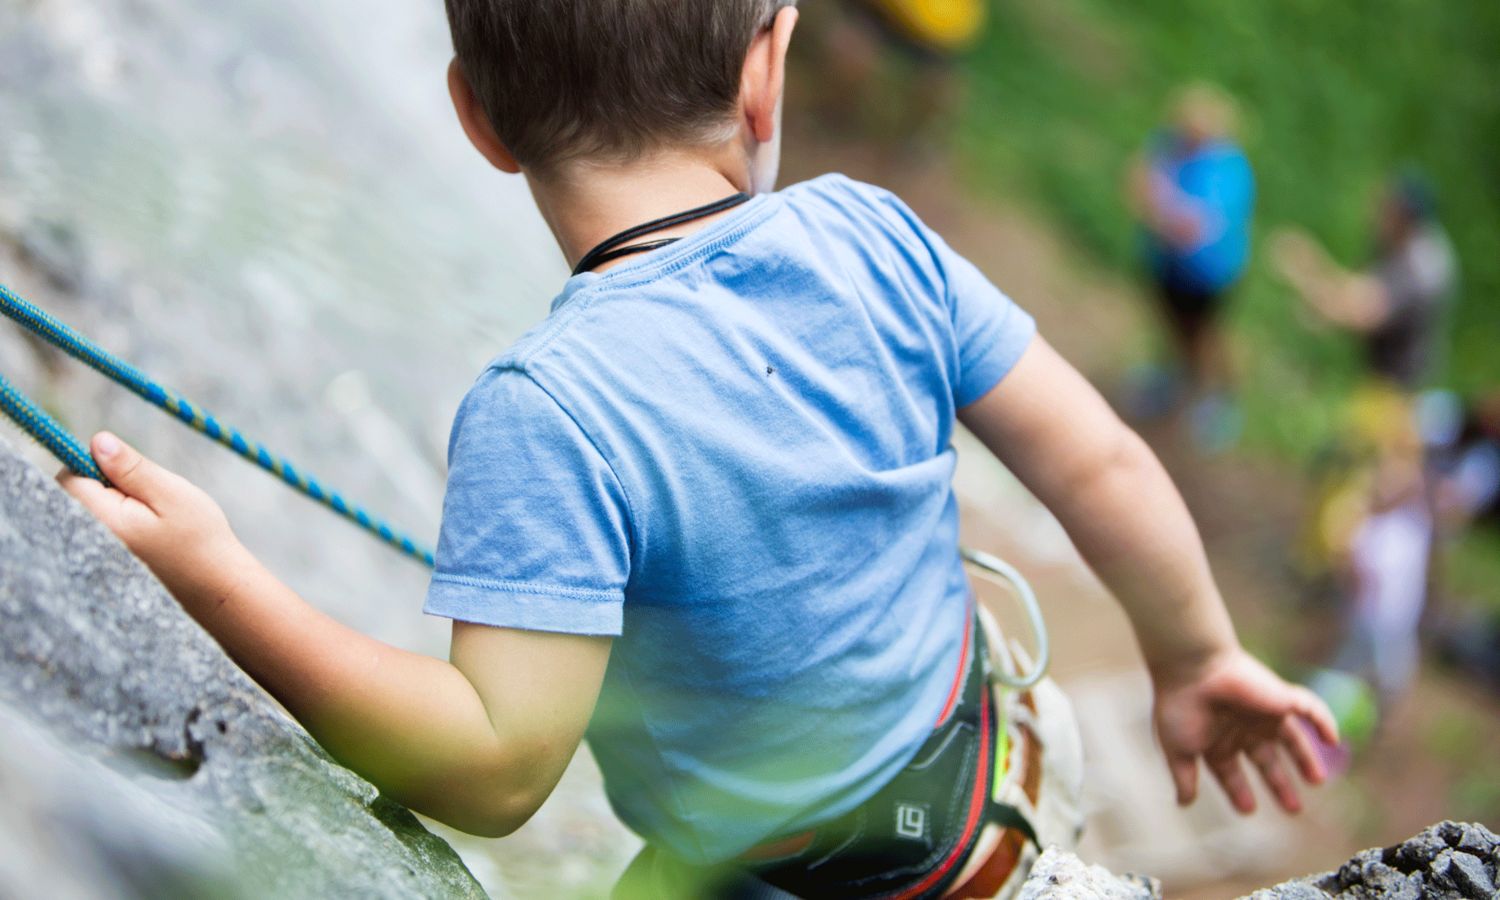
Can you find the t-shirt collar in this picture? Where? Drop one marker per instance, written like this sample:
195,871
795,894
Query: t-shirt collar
643,267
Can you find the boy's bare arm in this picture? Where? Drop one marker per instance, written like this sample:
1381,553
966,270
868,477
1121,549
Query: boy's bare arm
478,742
1111,494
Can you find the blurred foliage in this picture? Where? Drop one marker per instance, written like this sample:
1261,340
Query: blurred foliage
1334,97
1476,796
1455,737
1471,568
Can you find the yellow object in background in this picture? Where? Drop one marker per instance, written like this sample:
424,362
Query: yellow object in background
947,26
1379,426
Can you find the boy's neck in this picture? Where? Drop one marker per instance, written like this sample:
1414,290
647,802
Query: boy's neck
590,204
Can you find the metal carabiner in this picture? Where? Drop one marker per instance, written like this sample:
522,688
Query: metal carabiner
1000,569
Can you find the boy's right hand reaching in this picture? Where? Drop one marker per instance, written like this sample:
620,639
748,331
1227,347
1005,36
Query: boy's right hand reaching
1106,487
1232,706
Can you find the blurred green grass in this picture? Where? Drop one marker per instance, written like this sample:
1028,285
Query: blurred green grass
1335,96
1472,568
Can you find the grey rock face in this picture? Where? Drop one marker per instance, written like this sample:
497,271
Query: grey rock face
1059,875
137,760
1449,861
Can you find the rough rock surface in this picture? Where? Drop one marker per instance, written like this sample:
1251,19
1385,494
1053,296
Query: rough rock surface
1449,861
1059,875
137,760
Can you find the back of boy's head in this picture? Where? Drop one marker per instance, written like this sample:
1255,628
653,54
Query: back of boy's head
564,80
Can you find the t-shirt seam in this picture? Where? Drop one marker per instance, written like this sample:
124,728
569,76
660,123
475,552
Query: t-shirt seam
633,536
528,587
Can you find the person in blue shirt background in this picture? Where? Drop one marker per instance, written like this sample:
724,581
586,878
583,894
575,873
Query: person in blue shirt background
1193,193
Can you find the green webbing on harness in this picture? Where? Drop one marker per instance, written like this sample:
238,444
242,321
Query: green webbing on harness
60,443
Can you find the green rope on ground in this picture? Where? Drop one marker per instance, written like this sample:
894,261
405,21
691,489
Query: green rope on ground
67,448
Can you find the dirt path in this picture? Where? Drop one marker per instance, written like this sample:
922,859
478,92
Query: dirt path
1247,508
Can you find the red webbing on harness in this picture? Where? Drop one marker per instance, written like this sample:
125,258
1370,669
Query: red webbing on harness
976,809
796,843
963,667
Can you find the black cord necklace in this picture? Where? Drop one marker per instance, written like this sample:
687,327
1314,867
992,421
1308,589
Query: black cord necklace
613,248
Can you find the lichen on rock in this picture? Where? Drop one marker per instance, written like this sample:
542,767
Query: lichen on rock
137,760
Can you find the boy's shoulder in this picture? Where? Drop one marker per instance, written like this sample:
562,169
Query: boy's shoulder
844,195
858,213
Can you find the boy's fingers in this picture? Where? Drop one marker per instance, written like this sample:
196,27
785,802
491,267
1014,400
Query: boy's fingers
1184,770
1268,761
1296,737
1231,776
99,500
133,474
1311,707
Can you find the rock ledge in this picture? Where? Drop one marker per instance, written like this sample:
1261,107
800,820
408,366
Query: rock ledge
137,760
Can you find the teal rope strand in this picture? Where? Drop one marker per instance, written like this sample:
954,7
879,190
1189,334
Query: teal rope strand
66,448
47,432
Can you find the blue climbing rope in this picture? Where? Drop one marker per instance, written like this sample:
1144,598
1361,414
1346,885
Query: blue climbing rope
47,432
60,443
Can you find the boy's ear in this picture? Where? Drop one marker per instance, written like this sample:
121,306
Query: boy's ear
476,124
764,76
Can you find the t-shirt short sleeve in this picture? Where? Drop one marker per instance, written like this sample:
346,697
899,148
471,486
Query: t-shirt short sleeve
991,331
535,530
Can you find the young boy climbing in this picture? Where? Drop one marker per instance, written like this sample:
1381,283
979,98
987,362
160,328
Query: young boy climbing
702,515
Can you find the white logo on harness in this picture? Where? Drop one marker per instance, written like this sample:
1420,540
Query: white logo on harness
911,821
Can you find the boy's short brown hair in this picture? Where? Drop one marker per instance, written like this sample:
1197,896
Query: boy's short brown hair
569,79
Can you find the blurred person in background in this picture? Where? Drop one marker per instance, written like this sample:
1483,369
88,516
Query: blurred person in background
1384,566
1394,306
1373,518
1193,192
1469,486
1465,468
888,66
1463,457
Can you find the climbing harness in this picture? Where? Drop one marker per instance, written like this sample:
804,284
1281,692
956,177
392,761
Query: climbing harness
67,448
964,819
912,838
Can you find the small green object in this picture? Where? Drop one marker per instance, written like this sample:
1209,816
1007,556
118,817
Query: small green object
1353,703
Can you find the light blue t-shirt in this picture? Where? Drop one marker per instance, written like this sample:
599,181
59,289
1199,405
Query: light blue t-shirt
733,454
1217,179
